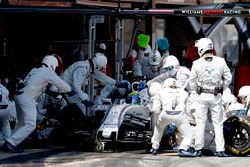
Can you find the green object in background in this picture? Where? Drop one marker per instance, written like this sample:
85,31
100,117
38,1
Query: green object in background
143,40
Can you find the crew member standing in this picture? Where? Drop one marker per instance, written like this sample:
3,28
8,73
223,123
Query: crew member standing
210,75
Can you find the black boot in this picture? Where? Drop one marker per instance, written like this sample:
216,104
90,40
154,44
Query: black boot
183,153
8,147
153,151
222,154
197,153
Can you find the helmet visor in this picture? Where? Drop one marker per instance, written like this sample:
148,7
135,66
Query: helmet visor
169,68
243,99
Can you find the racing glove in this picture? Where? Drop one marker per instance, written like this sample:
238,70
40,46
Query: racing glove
71,93
123,84
88,103
52,93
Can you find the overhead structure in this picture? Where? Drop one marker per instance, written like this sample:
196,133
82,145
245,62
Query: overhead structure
119,45
122,9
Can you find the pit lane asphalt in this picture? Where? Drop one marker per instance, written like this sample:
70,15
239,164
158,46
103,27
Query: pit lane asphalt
60,157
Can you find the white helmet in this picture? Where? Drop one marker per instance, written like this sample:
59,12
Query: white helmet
227,91
169,83
244,92
100,61
50,61
154,58
147,50
230,103
228,98
171,64
203,45
154,88
102,46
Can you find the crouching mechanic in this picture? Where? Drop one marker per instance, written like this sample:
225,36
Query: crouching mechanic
173,104
120,91
149,97
244,95
210,75
5,112
25,99
78,74
231,105
173,69
151,70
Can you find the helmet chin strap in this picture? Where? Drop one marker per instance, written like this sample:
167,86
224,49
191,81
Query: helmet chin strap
43,64
48,66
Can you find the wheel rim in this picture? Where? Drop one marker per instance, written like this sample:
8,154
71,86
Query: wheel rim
240,137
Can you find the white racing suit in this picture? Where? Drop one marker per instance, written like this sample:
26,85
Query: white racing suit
105,92
111,94
209,73
172,101
146,69
232,106
153,103
77,76
209,129
155,108
150,71
34,83
143,60
5,107
137,69
182,77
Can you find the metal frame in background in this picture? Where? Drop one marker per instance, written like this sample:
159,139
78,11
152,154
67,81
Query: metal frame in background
185,11
91,52
119,42
119,47
195,11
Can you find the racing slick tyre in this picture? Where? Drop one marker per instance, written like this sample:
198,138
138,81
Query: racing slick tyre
77,130
237,137
81,140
